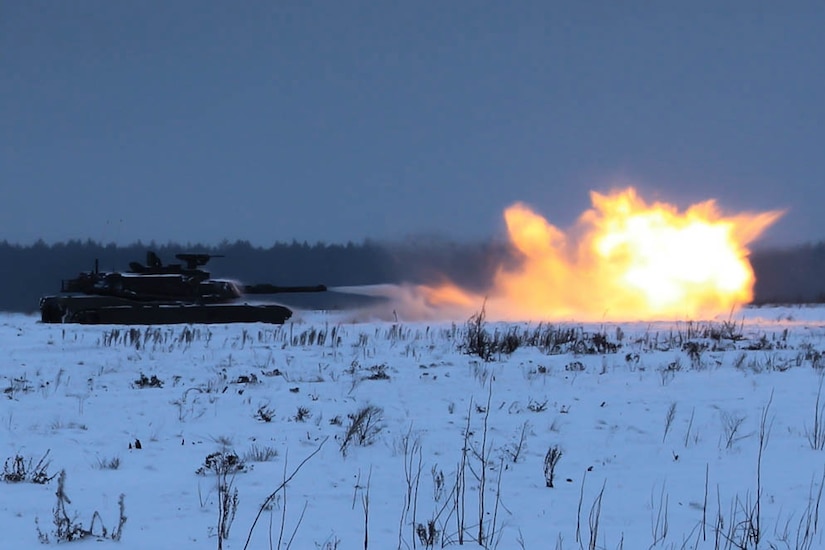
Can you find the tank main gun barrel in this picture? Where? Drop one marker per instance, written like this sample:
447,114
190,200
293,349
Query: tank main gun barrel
265,288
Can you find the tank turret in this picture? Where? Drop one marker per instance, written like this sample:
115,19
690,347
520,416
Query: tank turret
154,293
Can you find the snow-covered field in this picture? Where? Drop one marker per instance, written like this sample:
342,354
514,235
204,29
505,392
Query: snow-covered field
658,426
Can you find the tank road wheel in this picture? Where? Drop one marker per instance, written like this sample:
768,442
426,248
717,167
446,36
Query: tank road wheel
51,312
88,317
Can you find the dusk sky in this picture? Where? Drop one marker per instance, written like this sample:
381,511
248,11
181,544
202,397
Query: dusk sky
198,121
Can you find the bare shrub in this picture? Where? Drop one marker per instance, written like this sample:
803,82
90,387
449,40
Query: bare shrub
364,426
731,425
227,506
438,483
477,341
427,535
259,454
816,433
690,425
302,414
378,372
536,406
694,351
659,524
267,503
147,382
222,462
17,469
265,414
574,366
728,330
550,460
67,529
594,519
514,450
107,463
17,385
669,417
507,342
410,446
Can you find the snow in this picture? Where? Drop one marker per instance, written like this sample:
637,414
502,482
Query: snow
71,390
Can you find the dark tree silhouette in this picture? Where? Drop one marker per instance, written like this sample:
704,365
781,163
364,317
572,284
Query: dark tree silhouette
787,275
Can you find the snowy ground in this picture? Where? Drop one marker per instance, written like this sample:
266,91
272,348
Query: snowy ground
658,425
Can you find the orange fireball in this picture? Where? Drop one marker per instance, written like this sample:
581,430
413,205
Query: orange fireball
624,260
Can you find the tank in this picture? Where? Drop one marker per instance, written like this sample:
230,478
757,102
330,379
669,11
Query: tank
155,293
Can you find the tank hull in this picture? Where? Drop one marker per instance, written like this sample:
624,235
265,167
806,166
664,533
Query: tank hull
92,310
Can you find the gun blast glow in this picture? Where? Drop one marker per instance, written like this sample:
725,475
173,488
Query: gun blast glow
624,259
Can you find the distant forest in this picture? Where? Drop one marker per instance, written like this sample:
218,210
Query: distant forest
788,275
29,272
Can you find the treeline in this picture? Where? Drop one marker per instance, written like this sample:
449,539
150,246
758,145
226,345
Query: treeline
29,272
789,275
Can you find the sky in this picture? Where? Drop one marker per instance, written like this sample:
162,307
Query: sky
200,121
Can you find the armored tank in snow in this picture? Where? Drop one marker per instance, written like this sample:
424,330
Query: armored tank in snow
155,293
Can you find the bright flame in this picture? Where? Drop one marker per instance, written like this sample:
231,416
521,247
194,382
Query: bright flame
624,260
